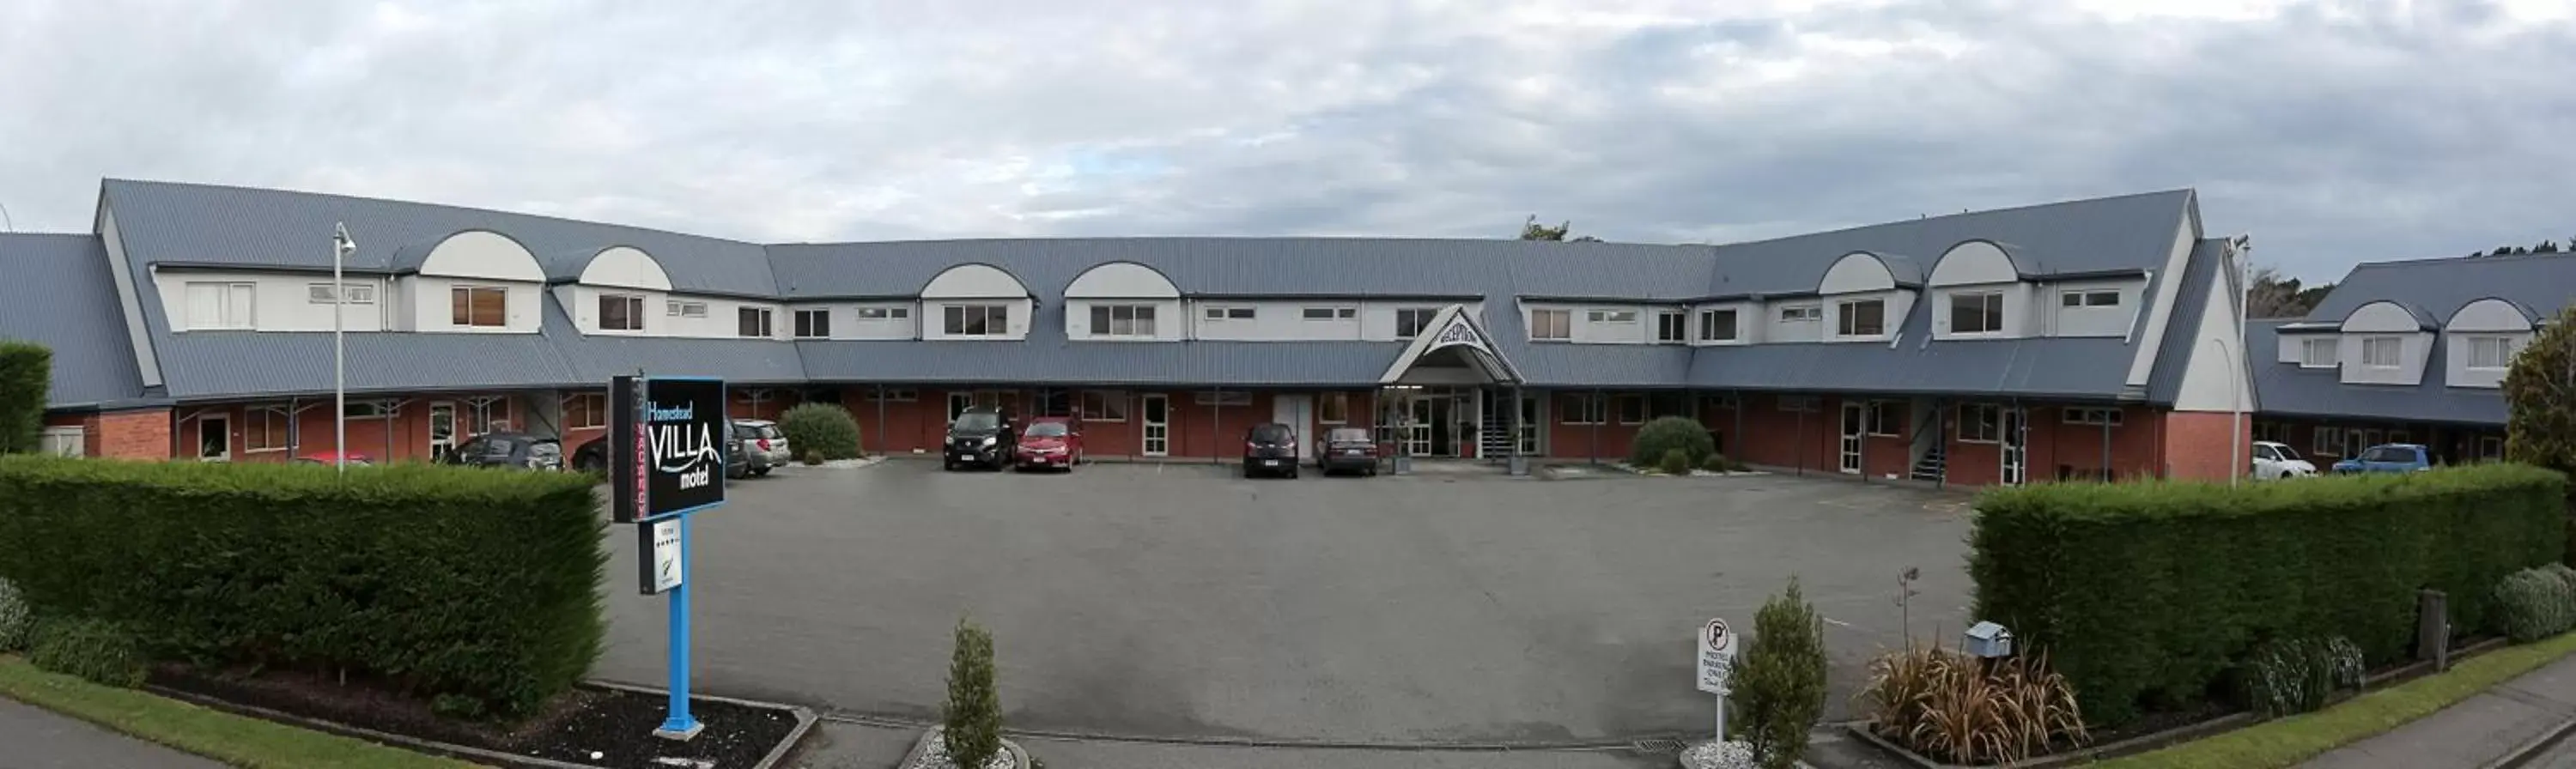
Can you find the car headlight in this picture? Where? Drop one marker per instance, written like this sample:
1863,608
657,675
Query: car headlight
990,440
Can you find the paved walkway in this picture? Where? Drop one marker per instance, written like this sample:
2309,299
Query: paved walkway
41,739
2474,732
836,745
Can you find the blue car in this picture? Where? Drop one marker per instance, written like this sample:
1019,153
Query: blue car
2388,458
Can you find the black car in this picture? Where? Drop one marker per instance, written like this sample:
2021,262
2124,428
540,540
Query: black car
1347,449
592,456
1270,449
516,451
979,437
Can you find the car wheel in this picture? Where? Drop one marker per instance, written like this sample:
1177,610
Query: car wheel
762,472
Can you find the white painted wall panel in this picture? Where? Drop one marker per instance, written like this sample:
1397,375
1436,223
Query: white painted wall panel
1970,263
2093,319
1121,280
482,254
283,302
1856,272
974,281
625,267
135,330
1279,320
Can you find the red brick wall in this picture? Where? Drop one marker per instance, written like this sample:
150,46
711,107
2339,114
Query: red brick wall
2198,444
2136,445
1786,439
137,434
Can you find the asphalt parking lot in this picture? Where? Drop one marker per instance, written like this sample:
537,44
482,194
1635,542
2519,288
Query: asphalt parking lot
1181,601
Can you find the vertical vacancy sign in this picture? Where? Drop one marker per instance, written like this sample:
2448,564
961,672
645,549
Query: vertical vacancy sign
666,438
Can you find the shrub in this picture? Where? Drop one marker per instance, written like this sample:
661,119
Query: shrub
433,580
2533,604
1715,463
813,457
2563,573
1778,685
93,649
1960,710
1675,462
2148,593
822,427
973,727
2540,420
2298,675
15,620
26,371
1665,434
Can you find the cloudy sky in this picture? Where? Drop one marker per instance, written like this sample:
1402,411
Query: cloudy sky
2332,131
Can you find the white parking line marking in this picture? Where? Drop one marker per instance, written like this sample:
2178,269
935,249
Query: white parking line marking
1836,622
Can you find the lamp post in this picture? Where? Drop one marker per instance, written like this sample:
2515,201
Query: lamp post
341,247
2238,247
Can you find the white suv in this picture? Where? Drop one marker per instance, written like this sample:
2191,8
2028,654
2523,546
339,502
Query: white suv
2273,461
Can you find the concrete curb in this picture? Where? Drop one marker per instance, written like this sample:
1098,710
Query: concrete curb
1019,757
2532,748
2134,745
804,723
805,717
1054,735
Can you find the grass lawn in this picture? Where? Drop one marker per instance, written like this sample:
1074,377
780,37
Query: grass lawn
232,739
2288,741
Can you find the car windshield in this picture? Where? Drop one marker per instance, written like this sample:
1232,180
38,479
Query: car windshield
1348,435
497,447
978,420
2287,455
2388,454
764,431
1048,430
1272,434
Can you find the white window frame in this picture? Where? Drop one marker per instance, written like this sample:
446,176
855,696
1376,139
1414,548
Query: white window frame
367,410
884,313
1420,317
598,410
2327,441
684,308
1708,325
2501,348
1139,321
1720,402
1223,397
1619,409
2393,345
1095,405
1337,312
1583,409
2308,349
1802,313
470,290
804,328
990,312
1610,316
2490,447
892,395
1676,322
1990,306
1797,404
223,292
1327,403
768,322
1981,423
2074,298
1223,313
1876,424
1557,320
634,311
256,420
1844,314
2091,416
359,293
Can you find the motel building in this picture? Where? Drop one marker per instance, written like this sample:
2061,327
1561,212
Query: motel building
2067,340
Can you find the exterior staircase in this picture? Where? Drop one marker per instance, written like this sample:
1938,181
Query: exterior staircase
1933,465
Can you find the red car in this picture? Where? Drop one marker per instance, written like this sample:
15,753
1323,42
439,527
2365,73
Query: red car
1048,442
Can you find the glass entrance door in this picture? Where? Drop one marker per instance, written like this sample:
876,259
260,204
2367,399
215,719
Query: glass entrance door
1155,412
1420,414
1854,415
2015,448
442,430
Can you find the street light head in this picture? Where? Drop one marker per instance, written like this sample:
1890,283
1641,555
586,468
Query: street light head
340,241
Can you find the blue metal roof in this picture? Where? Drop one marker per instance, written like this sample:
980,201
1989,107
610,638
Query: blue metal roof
2288,389
58,293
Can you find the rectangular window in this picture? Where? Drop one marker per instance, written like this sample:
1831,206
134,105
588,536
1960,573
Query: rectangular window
1551,324
1797,403
220,305
2317,353
813,324
884,313
585,410
1632,409
1861,317
1611,316
359,293
2381,351
2102,298
1886,419
1979,312
2093,416
264,428
1717,325
1333,408
1103,406
1230,313
1224,398
892,395
1583,409
1980,423
1410,320
1672,326
2329,441
2491,352
1122,320
367,410
2490,447
1802,313
1329,313
1718,403
479,306
621,312
754,322
685,309
978,320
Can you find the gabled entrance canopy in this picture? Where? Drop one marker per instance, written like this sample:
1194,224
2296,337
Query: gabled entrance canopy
1453,349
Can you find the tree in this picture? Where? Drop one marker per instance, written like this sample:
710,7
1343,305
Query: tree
2546,247
1779,683
26,370
1532,230
2540,398
2273,296
973,728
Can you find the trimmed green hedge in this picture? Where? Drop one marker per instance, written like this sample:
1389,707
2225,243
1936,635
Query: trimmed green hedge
473,589
821,427
2146,594
26,372
1666,434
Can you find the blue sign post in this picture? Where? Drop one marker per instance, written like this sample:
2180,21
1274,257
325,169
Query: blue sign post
669,440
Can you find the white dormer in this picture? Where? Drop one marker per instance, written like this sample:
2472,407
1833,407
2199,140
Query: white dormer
2481,340
975,301
623,290
1123,302
2383,343
196,299
1726,323
475,281
1861,300
1977,293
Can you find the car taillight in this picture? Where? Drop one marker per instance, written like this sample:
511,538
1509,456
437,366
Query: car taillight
1250,446
764,444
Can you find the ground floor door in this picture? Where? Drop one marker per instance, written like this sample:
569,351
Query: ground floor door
1297,411
1855,425
442,430
1531,419
1154,411
1421,414
215,438
2016,448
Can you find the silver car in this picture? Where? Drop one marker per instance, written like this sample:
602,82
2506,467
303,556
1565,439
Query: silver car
761,436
